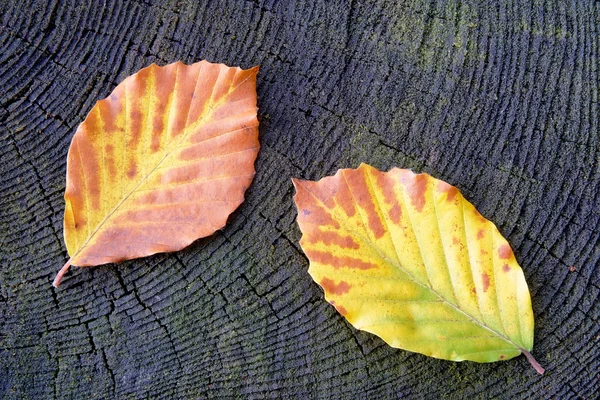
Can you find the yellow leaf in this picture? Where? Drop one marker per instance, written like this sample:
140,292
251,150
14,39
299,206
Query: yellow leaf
161,162
406,257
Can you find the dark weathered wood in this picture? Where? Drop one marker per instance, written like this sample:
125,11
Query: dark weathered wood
499,99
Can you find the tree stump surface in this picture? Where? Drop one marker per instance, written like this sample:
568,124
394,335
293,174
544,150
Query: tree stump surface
499,99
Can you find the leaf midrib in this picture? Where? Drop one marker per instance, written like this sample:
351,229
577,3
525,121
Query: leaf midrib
185,133
413,279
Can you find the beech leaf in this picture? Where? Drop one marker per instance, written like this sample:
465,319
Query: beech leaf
160,162
407,258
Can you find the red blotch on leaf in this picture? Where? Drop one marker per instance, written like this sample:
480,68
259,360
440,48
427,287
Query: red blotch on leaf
396,214
89,169
359,187
329,238
110,160
135,129
416,186
505,252
335,288
342,195
308,191
386,184
485,279
339,308
316,214
450,191
112,108
479,216
158,126
338,262
132,171
480,234
505,268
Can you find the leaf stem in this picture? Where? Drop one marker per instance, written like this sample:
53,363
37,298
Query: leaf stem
61,273
533,362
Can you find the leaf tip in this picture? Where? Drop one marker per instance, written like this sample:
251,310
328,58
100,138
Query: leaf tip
61,273
366,167
297,182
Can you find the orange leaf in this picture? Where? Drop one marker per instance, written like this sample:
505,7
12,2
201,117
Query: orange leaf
406,257
160,162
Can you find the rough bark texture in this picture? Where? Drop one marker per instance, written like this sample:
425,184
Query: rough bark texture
499,99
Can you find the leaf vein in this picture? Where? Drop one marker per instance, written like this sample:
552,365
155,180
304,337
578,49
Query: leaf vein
85,184
157,205
196,160
378,203
462,207
220,135
358,209
411,223
439,231
190,182
496,288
